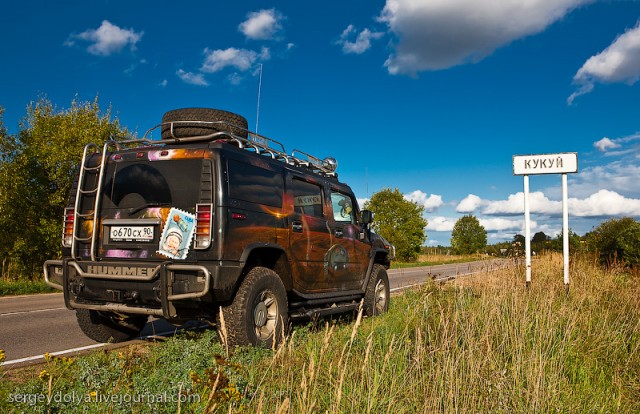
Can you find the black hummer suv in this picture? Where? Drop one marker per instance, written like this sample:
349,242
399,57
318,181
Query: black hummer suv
213,221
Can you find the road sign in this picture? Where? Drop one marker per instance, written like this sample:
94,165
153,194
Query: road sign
563,163
566,162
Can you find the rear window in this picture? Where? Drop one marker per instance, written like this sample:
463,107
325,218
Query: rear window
167,183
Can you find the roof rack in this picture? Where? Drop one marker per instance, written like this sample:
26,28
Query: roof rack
253,142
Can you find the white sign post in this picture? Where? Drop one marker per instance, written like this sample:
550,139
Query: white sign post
562,163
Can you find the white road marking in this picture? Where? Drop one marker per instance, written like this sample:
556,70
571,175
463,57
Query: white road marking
30,311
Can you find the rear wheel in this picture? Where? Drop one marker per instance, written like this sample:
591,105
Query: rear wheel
233,123
109,326
258,314
376,298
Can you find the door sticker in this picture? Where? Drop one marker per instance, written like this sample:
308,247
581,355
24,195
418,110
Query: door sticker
177,234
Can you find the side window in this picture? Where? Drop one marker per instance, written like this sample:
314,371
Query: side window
254,184
343,211
307,198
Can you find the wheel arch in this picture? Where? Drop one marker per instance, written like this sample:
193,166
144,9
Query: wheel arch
271,256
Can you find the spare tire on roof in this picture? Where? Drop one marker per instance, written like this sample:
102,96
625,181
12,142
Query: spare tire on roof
234,124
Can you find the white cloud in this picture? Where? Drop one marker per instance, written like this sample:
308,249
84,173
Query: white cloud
620,62
620,144
362,42
440,223
235,78
469,204
262,25
440,34
240,59
107,39
430,203
621,177
192,78
603,203
605,144
164,83
501,224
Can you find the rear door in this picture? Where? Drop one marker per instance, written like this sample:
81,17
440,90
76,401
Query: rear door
148,201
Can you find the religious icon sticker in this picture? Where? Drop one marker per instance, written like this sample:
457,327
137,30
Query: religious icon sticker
177,234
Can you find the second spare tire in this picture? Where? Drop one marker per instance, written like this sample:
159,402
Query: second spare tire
234,124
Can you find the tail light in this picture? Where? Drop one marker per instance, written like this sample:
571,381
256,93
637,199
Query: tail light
67,227
204,216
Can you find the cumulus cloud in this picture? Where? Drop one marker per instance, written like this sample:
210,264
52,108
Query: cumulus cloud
107,39
239,59
361,44
262,25
469,204
605,144
429,202
620,62
501,224
441,223
603,203
440,34
622,146
192,78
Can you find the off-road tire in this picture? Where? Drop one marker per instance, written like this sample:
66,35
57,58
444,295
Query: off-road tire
258,314
376,297
235,124
108,327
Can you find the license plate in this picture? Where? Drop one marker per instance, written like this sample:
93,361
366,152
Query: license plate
131,234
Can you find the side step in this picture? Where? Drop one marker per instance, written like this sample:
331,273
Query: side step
304,313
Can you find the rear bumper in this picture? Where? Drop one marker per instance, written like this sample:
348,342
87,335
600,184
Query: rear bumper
147,289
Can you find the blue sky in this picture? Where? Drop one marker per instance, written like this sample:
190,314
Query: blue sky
432,97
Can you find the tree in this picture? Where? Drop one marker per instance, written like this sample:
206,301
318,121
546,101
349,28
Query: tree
616,239
468,236
539,237
399,221
540,242
37,169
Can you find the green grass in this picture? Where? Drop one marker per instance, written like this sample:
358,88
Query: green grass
10,287
481,344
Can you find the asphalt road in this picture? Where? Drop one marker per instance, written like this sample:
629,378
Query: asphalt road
35,324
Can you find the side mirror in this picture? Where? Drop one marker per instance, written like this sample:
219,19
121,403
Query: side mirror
367,217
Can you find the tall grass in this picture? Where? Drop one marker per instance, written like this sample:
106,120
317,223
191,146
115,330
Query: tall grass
480,344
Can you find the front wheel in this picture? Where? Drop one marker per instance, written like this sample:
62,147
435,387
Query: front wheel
109,326
258,314
376,297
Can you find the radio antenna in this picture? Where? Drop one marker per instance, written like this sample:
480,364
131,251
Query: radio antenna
259,89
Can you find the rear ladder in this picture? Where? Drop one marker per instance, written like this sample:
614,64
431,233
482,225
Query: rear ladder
81,193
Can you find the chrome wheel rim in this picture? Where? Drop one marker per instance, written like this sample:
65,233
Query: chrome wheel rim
265,315
380,296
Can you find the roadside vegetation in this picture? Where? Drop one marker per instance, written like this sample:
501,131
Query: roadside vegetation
479,344
11,287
